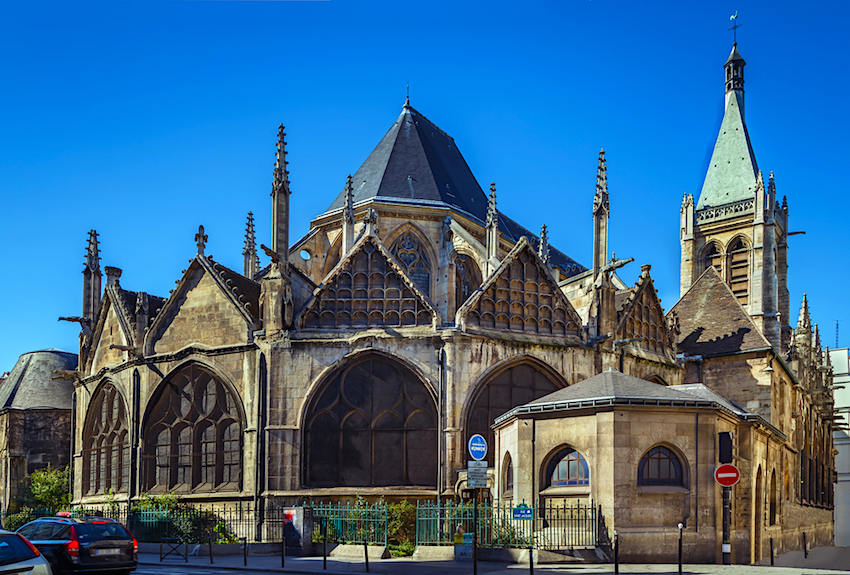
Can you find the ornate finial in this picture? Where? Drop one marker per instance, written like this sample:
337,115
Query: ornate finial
250,259
142,303
370,223
771,185
281,174
785,203
201,240
492,212
543,247
734,28
407,100
349,200
92,252
600,198
804,324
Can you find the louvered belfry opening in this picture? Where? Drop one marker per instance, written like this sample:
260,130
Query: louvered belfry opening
193,435
739,270
374,423
713,258
106,448
514,386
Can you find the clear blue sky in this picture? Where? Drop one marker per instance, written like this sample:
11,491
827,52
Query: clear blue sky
144,119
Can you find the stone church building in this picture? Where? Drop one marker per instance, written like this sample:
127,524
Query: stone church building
414,314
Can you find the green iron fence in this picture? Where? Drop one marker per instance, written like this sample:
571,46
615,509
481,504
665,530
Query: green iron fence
351,523
554,526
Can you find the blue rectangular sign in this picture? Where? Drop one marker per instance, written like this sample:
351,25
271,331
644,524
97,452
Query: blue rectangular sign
523,512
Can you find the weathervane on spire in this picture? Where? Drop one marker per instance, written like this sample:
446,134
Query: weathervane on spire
734,28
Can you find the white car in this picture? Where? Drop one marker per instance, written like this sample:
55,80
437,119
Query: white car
20,557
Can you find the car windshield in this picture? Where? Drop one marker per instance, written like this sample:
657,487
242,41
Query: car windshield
88,532
14,549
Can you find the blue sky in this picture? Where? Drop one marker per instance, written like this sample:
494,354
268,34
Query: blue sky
143,120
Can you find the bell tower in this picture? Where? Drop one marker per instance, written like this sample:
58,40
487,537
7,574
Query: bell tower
736,225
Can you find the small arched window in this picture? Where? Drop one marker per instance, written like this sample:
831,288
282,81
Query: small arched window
660,466
774,511
712,258
508,483
568,468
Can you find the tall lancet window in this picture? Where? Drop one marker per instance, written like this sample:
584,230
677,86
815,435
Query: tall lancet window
739,270
468,277
409,251
712,258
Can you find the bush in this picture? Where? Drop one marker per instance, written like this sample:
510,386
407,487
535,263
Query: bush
225,535
401,528
22,517
50,487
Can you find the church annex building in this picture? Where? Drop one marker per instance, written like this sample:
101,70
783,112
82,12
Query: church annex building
414,314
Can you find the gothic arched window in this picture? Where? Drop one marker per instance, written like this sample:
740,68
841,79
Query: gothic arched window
568,468
193,434
739,270
374,423
106,446
660,466
467,278
408,250
508,481
713,258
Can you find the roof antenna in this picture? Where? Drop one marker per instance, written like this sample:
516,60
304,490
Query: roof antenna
734,19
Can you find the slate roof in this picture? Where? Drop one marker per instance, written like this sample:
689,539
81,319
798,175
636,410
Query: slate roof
31,385
712,322
734,55
417,163
129,297
244,286
732,171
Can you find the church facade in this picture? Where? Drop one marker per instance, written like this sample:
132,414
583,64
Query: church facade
413,314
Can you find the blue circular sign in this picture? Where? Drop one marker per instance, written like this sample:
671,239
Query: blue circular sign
477,447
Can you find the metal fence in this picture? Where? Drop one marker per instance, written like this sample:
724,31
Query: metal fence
347,523
564,526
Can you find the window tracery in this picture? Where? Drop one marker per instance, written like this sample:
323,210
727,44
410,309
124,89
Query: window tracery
408,250
568,468
373,424
106,446
193,435
660,466
467,277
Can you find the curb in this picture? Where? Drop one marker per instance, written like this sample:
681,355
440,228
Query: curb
247,569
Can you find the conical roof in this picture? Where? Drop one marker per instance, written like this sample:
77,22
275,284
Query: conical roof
31,384
734,56
417,163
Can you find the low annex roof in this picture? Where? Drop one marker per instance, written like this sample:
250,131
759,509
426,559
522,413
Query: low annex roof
417,163
31,385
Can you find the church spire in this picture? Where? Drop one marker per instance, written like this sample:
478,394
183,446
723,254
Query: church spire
91,278
280,200
601,209
250,261
348,217
543,247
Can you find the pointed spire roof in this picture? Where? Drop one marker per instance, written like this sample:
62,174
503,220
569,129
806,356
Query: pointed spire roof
281,174
734,55
348,213
417,163
732,171
543,245
804,321
251,262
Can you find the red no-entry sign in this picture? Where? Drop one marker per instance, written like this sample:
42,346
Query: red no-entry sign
727,475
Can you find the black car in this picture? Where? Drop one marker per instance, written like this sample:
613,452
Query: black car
87,545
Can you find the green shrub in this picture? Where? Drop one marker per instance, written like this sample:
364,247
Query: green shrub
16,520
50,487
225,535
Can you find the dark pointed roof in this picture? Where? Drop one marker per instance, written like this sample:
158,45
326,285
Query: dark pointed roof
31,384
417,163
735,56
712,322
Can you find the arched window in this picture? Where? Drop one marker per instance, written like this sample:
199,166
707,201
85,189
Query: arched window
508,483
514,386
467,278
106,446
193,435
773,496
373,423
712,258
739,270
408,250
568,468
660,466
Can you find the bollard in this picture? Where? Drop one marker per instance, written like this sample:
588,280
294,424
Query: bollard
616,553
186,549
324,544
211,553
282,552
771,551
366,554
244,551
531,559
805,547
680,548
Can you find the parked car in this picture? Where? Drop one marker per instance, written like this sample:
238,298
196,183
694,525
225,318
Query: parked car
17,555
87,545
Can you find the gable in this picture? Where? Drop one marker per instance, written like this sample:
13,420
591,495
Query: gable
521,296
368,289
201,311
712,322
108,331
641,315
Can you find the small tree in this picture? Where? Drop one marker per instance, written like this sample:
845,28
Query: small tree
49,487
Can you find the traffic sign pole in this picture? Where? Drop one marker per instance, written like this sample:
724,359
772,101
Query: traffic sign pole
727,520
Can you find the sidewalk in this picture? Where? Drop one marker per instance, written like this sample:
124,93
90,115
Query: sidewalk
821,561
